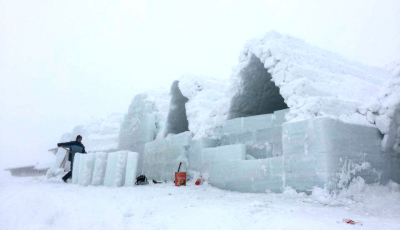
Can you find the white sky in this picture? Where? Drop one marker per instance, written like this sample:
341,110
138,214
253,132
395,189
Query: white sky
64,61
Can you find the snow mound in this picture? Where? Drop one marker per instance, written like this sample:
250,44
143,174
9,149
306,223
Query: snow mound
99,134
207,105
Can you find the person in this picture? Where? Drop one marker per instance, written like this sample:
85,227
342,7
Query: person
74,147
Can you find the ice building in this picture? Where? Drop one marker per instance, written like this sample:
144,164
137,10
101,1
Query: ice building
291,114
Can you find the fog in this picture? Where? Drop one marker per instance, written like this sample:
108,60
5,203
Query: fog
63,62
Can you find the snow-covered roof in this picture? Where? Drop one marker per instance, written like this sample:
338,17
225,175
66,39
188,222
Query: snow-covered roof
315,82
207,105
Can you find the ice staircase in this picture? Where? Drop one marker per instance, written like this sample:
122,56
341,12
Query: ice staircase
249,156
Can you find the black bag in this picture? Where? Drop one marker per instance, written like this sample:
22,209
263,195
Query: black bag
141,180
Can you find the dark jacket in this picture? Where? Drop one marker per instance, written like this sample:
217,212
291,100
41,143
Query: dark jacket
74,147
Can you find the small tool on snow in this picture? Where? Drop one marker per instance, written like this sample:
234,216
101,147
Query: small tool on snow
141,180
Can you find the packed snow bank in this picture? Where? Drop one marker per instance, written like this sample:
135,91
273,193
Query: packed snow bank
207,105
315,82
98,134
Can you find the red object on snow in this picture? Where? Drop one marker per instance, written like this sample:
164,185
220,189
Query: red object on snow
180,179
199,181
352,222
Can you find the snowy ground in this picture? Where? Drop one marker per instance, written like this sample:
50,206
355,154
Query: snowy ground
34,203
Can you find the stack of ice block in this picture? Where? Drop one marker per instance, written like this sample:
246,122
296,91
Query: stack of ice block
249,124
138,126
227,168
261,134
328,153
249,158
228,153
195,152
111,169
248,175
162,157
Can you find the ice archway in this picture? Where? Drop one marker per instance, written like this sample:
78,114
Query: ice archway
258,94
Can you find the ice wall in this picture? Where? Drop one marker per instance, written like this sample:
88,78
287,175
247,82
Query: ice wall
139,124
195,152
144,121
328,153
162,156
177,120
258,176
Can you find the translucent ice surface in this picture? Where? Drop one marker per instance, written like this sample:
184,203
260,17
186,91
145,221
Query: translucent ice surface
116,168
223,154
248,175
138,126
131,168
249,124
162,156
328,153
86,168
76,168
144,121
99,171
262,143
195,152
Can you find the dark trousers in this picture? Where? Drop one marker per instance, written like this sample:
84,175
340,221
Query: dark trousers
69,174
